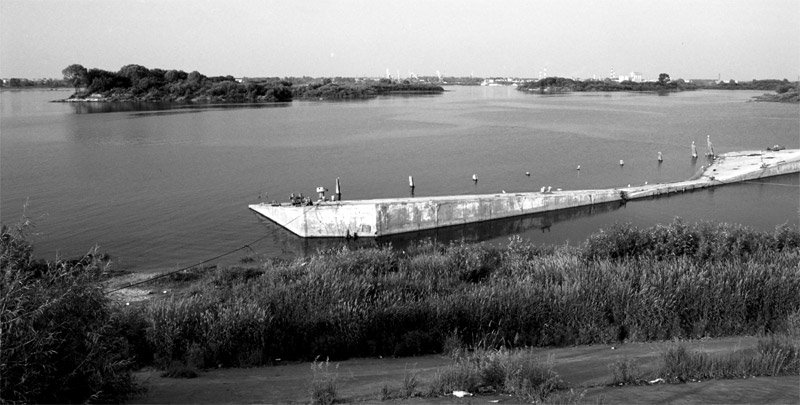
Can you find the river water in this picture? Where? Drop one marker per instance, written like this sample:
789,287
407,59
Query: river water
164,186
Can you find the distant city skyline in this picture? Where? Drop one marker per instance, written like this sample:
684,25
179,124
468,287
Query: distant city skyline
737,39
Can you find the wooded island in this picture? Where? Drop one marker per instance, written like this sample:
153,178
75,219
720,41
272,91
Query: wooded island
139,84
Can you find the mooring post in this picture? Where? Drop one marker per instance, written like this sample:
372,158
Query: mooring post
710,151
338,191
411,184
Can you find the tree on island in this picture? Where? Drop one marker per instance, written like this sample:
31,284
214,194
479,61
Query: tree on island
76,74
663,79
138,83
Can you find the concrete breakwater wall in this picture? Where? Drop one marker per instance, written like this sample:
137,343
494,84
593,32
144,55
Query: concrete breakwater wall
392,216
729,168
415,215
381,217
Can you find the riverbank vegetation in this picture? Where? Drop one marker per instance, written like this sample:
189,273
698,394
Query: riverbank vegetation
623,284
784,93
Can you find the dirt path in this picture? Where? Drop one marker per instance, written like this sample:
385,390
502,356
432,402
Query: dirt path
760,390
584,368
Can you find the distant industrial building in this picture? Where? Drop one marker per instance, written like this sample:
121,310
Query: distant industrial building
633,77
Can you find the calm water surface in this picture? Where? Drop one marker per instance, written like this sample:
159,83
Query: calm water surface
158,187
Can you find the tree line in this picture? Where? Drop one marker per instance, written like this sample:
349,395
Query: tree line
328,89
18,83
664,83
562,84
779,86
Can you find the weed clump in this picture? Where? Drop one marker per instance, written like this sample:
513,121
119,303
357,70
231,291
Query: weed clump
324,383
625,372
61,341
407,389
500,371
775,355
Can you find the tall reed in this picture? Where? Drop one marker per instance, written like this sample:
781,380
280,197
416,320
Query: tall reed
60,337
670,281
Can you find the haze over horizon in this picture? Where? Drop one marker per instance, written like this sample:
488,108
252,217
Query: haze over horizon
739,39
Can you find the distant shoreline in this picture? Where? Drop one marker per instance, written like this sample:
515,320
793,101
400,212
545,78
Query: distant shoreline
4,89
789,97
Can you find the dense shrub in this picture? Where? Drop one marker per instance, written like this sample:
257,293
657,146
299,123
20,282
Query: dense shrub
665,282
704,241
59,337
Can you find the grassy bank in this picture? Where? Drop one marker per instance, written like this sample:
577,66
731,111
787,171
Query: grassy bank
623,284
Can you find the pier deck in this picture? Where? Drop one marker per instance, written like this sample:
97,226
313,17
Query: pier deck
388,216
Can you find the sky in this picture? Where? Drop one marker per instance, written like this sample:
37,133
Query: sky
731,39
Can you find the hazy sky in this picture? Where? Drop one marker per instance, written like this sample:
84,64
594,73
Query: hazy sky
739,39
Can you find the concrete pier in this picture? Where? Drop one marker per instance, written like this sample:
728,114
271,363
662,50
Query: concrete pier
380,217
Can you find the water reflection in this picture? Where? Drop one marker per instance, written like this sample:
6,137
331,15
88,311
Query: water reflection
160,113
146,109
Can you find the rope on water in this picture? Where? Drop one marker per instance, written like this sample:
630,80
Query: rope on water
230,252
